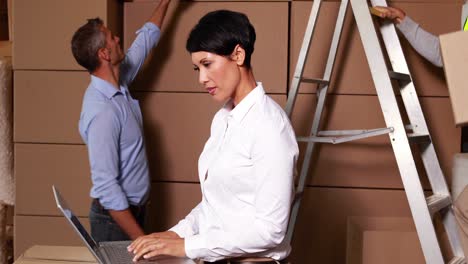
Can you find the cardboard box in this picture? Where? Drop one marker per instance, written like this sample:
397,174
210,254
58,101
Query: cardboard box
56,254
352,74
384,240
47,106
455,56
39,166
43,30
170,67
321,229
44,230
170,203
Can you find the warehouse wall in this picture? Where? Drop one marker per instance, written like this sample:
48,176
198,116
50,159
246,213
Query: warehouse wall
354,188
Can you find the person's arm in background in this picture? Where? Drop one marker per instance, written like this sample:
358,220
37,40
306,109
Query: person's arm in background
425,43
147,37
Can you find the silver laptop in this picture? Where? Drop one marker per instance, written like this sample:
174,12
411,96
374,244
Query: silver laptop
107,252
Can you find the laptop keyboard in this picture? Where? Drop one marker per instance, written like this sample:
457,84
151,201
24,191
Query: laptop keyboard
118,254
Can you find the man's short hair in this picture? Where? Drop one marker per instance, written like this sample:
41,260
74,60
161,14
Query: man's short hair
86,42
220,31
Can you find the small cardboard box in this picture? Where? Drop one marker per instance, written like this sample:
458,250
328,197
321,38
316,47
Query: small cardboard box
43,30
56,254
454,49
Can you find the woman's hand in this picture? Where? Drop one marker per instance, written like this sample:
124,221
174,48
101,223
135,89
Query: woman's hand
164,243
393,13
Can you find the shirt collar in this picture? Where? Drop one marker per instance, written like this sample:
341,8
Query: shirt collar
241,110
104,87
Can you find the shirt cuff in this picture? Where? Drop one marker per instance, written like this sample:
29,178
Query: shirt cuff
182,229
194,246
407,25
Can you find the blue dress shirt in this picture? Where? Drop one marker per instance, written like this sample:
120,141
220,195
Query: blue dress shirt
111,125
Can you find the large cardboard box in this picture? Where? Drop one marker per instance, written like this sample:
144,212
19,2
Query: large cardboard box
47,106
39,166
43,30
454,48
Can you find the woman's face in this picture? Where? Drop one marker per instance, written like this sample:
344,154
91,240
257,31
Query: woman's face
219,75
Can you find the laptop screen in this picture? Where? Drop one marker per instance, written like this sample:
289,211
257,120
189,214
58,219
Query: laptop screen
63,206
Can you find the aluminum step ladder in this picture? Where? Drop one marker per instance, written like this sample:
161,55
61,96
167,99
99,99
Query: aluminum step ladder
422,208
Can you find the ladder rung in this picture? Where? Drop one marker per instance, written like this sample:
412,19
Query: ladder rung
457,260
399,76
418,138
317,139
341,136
438,202
314,80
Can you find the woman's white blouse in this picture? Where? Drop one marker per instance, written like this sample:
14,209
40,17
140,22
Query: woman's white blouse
246,173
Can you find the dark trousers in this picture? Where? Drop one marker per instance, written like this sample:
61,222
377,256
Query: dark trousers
103,226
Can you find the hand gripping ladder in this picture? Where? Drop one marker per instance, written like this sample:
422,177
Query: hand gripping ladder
422,208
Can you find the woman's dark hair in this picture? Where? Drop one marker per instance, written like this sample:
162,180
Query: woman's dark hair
220,31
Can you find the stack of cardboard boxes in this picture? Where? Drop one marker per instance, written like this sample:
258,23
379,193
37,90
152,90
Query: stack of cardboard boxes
353,182
48,88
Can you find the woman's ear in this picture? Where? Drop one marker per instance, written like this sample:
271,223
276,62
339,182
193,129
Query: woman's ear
238,55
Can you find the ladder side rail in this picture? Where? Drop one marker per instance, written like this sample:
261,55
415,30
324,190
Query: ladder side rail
336,40
398,61
412,105
321,93
419,125
406,165
302,56
451,228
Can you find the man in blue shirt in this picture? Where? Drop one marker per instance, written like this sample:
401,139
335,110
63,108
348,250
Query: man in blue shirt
111,126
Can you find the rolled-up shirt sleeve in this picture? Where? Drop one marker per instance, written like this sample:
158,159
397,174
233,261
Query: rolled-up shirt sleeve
147,37
103,149
274,156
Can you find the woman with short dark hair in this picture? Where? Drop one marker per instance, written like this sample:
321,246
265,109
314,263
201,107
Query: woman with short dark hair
247,165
